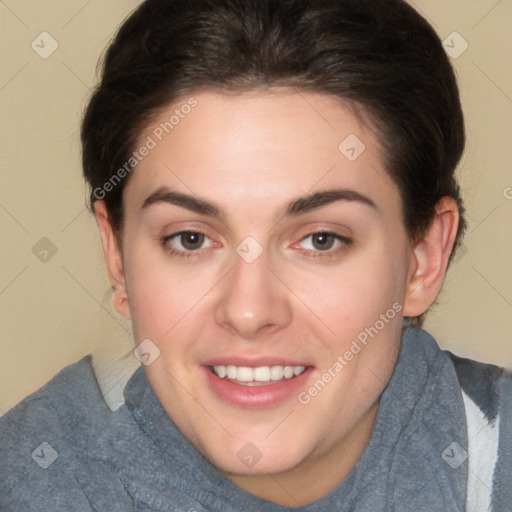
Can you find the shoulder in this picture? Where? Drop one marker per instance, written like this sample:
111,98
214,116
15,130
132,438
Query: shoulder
52,406
37,442
487,394
485,384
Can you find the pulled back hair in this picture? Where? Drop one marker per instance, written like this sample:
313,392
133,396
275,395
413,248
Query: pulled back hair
380,56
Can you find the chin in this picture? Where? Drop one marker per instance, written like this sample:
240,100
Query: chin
247,458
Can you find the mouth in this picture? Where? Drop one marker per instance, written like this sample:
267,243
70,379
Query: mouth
259,376
256,387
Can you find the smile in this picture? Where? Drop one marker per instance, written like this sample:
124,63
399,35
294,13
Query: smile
262,375
256,387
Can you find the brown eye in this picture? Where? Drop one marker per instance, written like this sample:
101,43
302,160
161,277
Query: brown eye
191,241
186,243
323,241
324,244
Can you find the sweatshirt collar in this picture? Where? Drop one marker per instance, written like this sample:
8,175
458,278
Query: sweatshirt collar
113,369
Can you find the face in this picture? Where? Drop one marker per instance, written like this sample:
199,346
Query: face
267,260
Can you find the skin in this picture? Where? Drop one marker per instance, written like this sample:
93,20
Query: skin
251,154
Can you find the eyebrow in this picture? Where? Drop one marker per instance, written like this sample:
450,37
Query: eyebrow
190,202
294,208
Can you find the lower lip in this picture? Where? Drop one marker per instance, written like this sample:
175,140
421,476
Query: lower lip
256,397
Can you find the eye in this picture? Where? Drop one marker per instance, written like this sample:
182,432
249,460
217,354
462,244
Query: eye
324,241
186,242
320,241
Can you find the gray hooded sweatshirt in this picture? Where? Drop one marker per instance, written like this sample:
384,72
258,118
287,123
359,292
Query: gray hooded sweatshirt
442,441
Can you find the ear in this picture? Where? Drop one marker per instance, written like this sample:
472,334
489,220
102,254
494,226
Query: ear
429,258
113,259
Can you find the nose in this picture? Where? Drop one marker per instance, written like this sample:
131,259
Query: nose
253,302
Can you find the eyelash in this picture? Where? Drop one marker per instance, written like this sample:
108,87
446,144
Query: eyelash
182,254
345,241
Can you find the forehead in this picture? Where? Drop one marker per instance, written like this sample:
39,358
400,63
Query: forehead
259,146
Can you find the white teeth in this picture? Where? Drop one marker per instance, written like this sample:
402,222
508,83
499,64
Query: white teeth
244,374
297,370
260,374
231,372
288,372
276,372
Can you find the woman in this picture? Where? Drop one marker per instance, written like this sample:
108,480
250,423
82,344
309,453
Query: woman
274,186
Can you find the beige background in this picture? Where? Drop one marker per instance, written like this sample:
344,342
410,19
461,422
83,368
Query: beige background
56,311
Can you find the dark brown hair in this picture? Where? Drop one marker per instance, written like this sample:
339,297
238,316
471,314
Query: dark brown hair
379,55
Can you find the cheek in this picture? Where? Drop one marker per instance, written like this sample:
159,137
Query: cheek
164,298
351,296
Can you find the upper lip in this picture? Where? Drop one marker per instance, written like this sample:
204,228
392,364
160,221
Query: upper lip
254,362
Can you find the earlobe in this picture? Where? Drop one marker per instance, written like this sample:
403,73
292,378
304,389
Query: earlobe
429,258
113,259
